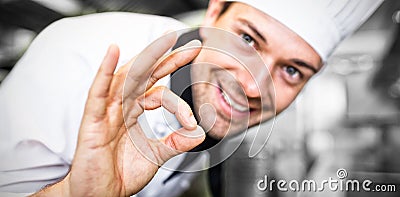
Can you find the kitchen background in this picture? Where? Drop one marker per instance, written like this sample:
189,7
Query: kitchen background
346,118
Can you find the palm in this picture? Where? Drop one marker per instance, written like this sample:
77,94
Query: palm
106,162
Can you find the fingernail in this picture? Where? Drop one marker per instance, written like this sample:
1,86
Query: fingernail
192,120
193,43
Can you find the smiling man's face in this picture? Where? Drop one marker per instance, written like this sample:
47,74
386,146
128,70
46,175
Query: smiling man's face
230,96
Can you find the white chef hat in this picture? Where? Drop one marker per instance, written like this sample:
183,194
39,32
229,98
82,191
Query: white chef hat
321,23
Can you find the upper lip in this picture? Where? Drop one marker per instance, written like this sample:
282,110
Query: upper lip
233,97
233,104
243,101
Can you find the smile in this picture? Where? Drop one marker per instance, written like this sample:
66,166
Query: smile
230,107
233,104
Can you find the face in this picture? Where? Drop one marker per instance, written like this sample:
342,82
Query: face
229,97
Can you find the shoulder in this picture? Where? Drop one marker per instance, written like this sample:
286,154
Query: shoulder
90,35
122,18
113,24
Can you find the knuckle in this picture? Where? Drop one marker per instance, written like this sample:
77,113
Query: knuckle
153,79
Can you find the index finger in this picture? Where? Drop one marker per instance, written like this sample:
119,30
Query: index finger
177,58
145,62
151,64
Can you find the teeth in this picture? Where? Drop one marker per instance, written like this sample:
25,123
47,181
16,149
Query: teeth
233,104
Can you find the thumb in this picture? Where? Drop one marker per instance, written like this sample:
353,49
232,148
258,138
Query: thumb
183,140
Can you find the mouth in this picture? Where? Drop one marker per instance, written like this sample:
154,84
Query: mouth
231,107
233,104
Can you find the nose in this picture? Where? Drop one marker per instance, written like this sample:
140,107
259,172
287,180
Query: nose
253,81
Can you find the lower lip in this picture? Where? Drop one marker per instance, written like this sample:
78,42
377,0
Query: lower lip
227,109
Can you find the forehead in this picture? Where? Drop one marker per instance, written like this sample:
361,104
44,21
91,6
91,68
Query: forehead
263,22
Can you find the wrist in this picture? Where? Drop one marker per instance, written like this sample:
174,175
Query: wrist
64,186
60,188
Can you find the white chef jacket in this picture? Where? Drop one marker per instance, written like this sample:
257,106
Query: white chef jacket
42,99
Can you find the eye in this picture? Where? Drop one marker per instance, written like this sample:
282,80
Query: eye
294,75
292,71
247,38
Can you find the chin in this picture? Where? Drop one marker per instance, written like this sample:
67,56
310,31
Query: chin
216,134
220,131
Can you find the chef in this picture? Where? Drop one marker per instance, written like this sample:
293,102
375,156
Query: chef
76,124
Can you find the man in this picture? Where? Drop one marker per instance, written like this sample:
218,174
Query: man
41,112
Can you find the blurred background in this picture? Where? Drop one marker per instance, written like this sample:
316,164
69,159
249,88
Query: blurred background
347,117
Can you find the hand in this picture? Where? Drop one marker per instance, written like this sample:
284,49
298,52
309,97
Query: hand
106,162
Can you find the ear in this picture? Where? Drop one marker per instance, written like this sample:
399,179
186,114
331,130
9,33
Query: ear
214,8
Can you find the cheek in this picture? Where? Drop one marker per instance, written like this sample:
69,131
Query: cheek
285,93
284,96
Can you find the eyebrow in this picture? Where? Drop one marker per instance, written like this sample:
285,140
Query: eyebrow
296,61
254,29
304,64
